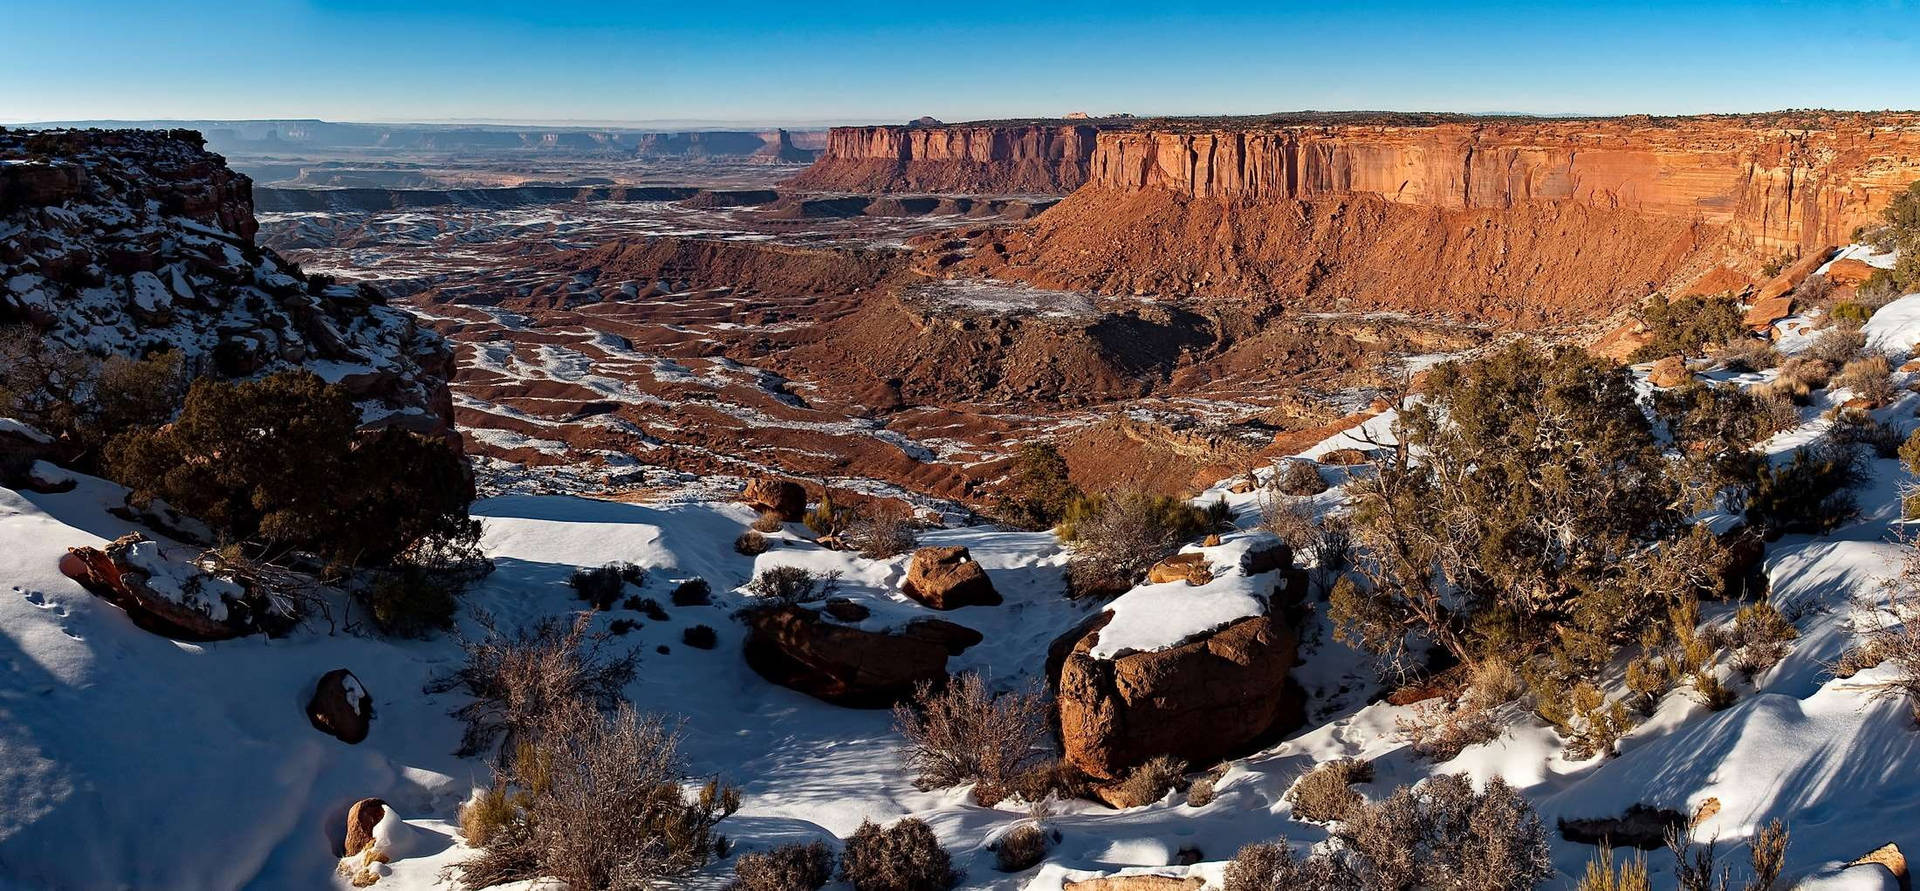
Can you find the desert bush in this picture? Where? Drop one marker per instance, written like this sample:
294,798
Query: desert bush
1022,847
768,522
603,806
82,399
1602,876
903,857
827,519
1869,378
1049,777
1776,412
1540,493
1685,326
1443,834
1890,633
1810,493
621,627
1759,639
523,682
1272,866
1117,538
882,533
692,592
601,585
485,814
1590,723
1695,867
1649,680
699,637
279,462
1439,730
411,601
963,733
750,544
1744,352
1325,794
1855,426
1851,312
1037,490
1298,478
786,585
794,867
1838,345
1152,779
1201,792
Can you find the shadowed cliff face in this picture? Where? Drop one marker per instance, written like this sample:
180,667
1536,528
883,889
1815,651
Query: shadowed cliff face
1044,160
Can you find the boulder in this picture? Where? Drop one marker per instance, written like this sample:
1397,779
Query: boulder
173,598
340,706
948,578
1266,557
846,610
361,818
1850,273
1622,342
1137,883
795,647
784,497
21,447
1189,568
1344,457
1669,372
1202,701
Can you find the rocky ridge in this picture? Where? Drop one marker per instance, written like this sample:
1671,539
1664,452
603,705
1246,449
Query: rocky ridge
134,242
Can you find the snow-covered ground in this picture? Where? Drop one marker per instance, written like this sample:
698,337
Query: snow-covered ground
128,760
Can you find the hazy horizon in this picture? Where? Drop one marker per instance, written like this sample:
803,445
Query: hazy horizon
602,63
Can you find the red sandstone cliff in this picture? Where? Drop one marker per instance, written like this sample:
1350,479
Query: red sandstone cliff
1025,159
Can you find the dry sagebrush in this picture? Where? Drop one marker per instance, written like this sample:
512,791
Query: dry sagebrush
522,682
964,733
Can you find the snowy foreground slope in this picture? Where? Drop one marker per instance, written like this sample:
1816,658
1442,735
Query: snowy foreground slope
128,760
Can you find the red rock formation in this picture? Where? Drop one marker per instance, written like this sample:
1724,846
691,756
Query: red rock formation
1036,159
948,578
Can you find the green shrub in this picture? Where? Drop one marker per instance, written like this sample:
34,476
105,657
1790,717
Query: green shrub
601,585
699,637
1810,493
1037,490
1299,478
692,592
411,601
279,462
1687,326
1849,311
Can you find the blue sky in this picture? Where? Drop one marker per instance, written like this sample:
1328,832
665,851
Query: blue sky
750,61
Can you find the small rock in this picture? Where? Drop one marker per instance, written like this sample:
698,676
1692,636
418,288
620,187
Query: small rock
361,818
784,497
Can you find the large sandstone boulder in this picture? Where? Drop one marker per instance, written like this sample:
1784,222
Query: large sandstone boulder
800,649
1201,701
784,497
948,578
341,707
1669,372
166,594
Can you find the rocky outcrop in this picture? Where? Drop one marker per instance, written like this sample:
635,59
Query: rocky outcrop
783,498
1047,159
1189,568
169,595
135,242
22,446
341,708
948,578
798,648
1200,702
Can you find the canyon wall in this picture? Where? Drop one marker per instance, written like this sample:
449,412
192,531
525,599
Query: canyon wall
1780,186
1023,159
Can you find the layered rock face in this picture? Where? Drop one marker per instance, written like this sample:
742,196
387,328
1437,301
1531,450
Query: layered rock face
133,242
1780,183
1036,159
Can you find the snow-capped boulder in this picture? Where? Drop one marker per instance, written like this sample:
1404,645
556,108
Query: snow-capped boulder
341,708
361,819
948,578
166,593
1201,701
798,648
21,447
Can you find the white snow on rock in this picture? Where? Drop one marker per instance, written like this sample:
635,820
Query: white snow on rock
24,430
1155,617
1895,328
